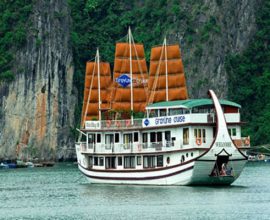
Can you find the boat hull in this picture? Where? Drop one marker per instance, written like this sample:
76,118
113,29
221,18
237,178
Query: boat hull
195,172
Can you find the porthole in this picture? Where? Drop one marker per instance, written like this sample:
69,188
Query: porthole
191,154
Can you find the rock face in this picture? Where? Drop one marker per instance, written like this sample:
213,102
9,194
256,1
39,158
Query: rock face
37,108
215,29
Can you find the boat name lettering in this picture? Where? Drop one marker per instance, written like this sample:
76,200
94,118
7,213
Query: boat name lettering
223,144
169,120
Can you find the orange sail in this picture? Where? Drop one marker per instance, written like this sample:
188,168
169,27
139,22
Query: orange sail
91,98
123,63
165,63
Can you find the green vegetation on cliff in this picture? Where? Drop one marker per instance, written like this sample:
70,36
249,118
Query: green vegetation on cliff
13,29
249,80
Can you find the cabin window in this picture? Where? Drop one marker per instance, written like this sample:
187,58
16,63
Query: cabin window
168,138
116,137
159,136
96,161
149,161
98,138
108,138
153,113
91,140
162,112
101,161
199,134
139,160
119,161
152,137
129,162
156,137
136,137
191,154
127,141
110,162
176,111
144,138
232,131
108,141
160,161
185,136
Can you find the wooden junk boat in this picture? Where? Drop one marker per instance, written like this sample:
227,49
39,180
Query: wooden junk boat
140,128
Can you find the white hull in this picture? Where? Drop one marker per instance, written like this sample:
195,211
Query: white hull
193,172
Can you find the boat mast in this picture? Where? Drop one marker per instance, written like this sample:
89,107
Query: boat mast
99,100
131,78
166,69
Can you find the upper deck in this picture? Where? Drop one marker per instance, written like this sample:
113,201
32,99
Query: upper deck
172,113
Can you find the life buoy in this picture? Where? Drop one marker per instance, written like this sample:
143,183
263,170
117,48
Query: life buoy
127,123
247,141
198,141
108,123
139,147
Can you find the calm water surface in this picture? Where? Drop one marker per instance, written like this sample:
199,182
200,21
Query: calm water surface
61,192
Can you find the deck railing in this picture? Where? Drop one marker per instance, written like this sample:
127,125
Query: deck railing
155,146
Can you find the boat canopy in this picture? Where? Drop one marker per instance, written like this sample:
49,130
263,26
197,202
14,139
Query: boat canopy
190,103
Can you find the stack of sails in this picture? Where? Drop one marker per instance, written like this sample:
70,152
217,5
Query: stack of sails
124,63
166,77
91,90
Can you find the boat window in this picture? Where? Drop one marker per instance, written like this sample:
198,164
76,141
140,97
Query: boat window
116,137
110,162
168,136
199,136
136,136
101,161
129,162
175,111
98,138
168,160
159,136
91,140
149,161
144,137
119,161
185,136
191,154
186,154
96,161
153,113
152,137
232,131
160,161
162,112
108,138
139,160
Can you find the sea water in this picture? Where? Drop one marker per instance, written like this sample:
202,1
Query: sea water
61,192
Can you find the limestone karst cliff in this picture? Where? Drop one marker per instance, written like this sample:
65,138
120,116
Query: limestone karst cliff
37,107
